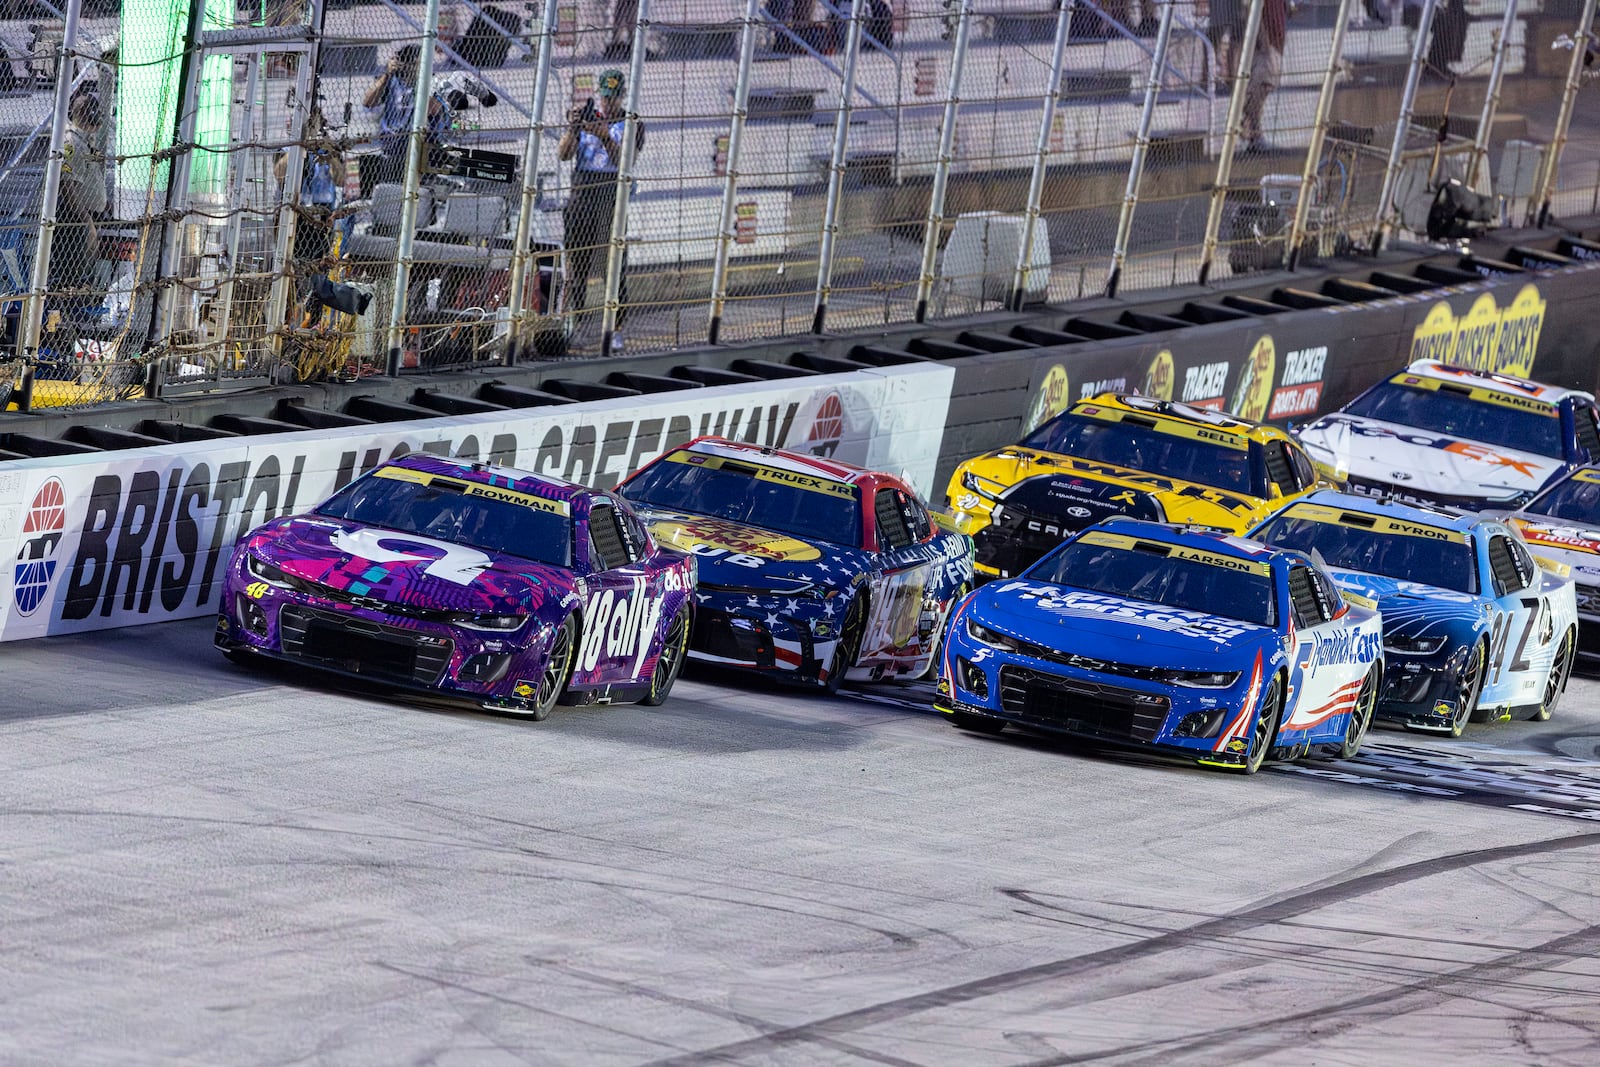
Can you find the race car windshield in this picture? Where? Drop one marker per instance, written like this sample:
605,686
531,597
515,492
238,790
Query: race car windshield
1456,414
1576,500
1145,448
749,494
1444,564
1136,574
440,510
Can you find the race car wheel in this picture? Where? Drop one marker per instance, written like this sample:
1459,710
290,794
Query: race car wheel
1556,684
1469,683
962,720
1361,714
848,647
1266,729
557,669
670,663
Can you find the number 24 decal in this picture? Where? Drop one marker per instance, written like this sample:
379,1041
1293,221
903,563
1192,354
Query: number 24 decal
1497,639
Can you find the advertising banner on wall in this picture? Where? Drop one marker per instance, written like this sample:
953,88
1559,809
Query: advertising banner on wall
113,539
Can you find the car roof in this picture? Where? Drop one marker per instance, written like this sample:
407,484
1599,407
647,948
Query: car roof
1205,539
782,459
521,481
1219,421
1419,514
1494,381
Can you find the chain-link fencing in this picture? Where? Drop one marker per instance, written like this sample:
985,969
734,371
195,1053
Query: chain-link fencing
207,195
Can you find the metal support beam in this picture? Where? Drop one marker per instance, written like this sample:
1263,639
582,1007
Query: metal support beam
730,180
1402,130
612,314
1141,148
1041,159
1558,142
277,311
841,133
178,177
416,156
1319,133
941,174
530,186
39,278
1491,96
1230,139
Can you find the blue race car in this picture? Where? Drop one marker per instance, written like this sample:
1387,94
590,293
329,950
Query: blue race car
1471,622
1197,644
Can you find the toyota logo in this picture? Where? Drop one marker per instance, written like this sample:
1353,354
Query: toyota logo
1078,513
1400,476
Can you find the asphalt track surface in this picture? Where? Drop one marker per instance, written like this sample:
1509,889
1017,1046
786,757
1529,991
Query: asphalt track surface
203,864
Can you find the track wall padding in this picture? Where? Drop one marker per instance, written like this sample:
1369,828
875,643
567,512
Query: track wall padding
118,538
1293,365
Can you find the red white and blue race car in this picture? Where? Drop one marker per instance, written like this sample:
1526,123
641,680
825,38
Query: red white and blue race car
1563,524
1194,643
1450,436
809,569
509,590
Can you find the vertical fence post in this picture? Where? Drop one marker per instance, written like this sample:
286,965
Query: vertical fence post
841,134
178,175
39,277
236,192
530,182
1230,139
1141,148
941,172
1491,96
1558,140
1041,159
1408,103
618,251
730,180
1319,133
416,157
277,309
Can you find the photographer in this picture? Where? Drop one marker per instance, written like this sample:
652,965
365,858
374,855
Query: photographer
594,140
393,95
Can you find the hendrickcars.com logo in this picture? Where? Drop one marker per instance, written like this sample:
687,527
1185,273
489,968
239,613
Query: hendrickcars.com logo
1488,337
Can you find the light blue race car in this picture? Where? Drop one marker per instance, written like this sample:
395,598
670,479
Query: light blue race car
1197,644
1473,626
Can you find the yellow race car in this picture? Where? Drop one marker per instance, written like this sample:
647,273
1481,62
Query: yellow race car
1123,455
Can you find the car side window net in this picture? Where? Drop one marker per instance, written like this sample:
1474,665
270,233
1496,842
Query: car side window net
1507,577
607,549
1307,605
1588,433
893,532
1279,469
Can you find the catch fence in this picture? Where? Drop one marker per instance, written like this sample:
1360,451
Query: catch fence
198,196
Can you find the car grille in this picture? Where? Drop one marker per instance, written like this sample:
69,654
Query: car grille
1588,600
1370,487
1588,640
1011,547
361,646
747,640
1081,706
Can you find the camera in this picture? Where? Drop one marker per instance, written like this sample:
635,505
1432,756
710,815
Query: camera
459,89
590,113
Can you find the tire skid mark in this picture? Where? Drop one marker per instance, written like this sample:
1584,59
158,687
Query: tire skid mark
1210,930
1390,1002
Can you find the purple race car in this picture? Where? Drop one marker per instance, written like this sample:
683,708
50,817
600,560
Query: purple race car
507,589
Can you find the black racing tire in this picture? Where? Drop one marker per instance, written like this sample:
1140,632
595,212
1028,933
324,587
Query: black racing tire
1469,686
674,650
1361,715
1556,683
557,671
848,648
1264,733
978,724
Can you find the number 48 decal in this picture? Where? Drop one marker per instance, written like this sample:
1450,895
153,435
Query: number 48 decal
1497,640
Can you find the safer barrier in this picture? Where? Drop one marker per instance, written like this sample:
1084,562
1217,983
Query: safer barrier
113,539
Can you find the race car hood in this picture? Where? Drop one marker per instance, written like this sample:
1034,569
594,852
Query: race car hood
1128,631
1403,603
1049,483
734,555
1424,461
343,560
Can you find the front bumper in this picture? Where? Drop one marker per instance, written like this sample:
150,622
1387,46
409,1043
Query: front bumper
1419,691
390,651
788,638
